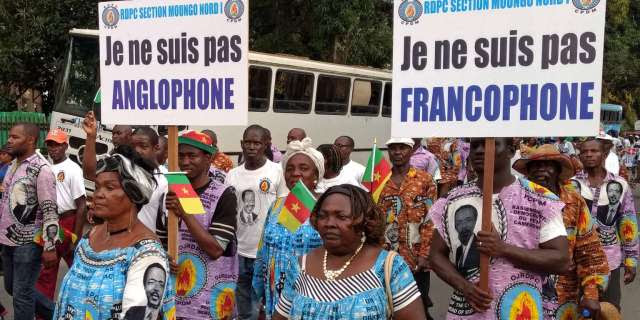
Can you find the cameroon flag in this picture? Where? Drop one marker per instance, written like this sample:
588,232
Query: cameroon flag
297,207
377,173
63,234
189,199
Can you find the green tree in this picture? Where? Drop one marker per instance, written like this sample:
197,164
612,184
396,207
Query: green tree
33,41
621,72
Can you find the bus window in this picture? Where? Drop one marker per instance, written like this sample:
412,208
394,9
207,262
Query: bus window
365,99
259,88
386,100
293,91
80,79
332,95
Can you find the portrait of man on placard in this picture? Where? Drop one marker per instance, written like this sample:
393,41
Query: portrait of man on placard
248,215
467,255
607,214
154,283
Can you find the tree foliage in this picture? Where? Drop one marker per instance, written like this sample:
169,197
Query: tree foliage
33,41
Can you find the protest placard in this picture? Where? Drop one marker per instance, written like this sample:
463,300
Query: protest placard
174,62
497,68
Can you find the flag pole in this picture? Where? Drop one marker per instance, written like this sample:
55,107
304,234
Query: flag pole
373,156
173,167
487,204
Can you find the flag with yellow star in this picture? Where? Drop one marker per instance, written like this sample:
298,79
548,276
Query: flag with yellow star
189,199
297,207
377,174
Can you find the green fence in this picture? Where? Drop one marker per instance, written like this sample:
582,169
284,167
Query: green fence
8,119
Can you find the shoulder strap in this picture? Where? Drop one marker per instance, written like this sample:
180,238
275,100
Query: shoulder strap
388,266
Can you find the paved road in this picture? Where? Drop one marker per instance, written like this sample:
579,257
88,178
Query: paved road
440,291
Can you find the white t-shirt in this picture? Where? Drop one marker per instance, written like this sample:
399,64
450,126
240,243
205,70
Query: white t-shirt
352,170
149,212
325,184
69,184
256,190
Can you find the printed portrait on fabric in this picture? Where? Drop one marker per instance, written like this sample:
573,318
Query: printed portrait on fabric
154,283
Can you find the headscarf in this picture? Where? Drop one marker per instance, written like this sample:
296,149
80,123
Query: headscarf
305,147
138,184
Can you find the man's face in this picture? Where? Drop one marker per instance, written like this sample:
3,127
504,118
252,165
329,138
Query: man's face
193,161
465,222
249,200
344,146
56,150
503,155
400,154
614,192
143,146
253,145
544,173
591,154
154,286
19,142
120,135
51,231
295,135
5,157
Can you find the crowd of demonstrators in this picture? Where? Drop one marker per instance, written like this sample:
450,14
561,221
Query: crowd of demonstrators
564,230
405,200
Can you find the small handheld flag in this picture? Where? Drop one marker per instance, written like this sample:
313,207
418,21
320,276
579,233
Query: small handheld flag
297,207
377,174
189,199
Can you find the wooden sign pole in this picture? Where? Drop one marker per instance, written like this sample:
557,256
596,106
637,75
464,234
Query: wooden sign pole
173,167
487,204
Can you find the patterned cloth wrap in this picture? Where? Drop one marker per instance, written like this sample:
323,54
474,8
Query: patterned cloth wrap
277,245
519,211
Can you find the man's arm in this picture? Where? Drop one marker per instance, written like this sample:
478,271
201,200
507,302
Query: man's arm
47,202
81,208
89,162
550,257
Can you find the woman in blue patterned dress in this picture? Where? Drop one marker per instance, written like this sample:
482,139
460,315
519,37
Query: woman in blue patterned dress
300,162
120,270
345,278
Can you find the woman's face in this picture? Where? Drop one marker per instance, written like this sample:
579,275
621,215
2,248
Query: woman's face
300,166
334,222
109,198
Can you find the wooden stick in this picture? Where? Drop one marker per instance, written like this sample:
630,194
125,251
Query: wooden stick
173,167
487,204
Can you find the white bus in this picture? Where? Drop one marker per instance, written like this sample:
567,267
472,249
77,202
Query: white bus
327,100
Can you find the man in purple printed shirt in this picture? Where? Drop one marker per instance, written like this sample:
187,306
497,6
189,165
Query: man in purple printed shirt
423,159
27,207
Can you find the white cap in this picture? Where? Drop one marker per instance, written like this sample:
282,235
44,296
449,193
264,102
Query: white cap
407,141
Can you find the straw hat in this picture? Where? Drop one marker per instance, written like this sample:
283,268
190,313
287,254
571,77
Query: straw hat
547,152
608,312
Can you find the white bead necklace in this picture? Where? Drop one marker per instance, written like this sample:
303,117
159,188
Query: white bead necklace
332,275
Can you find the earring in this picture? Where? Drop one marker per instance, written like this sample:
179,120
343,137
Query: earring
130,223
363,238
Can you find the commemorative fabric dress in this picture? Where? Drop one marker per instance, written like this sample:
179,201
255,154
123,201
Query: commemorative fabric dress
275,249
205,288
612,207
519,212
124,283
360,296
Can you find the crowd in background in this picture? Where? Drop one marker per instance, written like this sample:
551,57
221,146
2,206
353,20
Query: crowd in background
564,232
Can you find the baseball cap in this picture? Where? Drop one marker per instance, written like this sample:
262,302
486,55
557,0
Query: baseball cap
199,140
57,135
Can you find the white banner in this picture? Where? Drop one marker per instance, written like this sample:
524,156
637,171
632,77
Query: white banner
497,68
174,62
